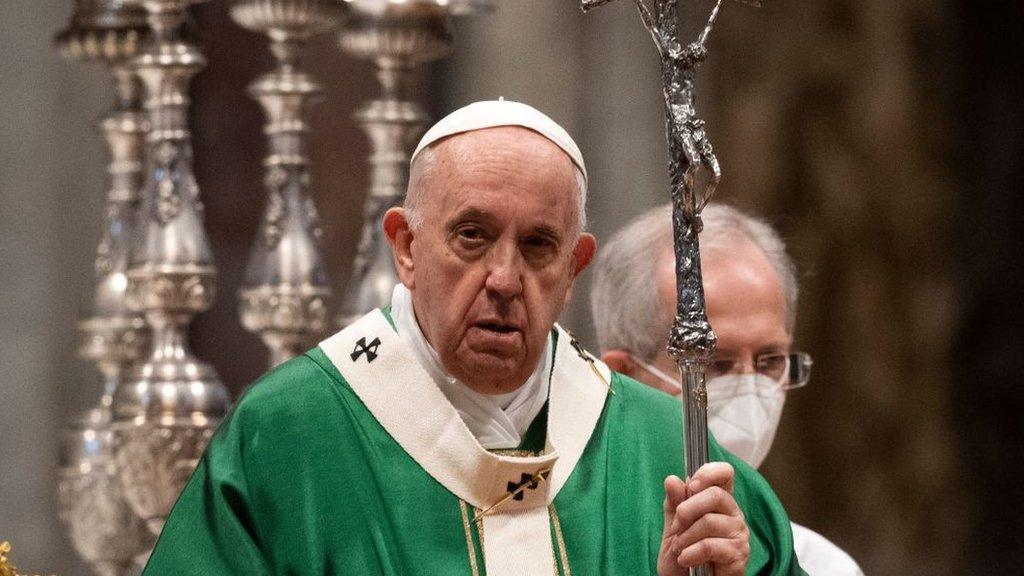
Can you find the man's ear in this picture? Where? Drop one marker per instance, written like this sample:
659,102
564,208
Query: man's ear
621,362
400,237
583,253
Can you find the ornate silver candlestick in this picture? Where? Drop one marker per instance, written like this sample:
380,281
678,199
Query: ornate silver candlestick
102,526
167,407
691,340
285,295
399,37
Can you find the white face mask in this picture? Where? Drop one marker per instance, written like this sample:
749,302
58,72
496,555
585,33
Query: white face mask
743,411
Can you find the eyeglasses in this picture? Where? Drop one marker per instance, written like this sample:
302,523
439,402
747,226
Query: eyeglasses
789,370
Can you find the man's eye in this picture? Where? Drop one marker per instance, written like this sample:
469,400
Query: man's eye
539,250
470,235
721,367
538,242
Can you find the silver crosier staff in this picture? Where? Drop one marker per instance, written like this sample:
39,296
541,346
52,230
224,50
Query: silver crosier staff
694,173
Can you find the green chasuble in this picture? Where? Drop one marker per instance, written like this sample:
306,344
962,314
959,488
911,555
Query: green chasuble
349,461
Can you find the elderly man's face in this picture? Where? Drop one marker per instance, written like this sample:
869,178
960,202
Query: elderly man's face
492,264
745,303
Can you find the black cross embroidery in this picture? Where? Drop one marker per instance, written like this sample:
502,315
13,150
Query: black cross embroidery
370,350
526,480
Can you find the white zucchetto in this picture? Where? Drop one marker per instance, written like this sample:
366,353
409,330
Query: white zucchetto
494,113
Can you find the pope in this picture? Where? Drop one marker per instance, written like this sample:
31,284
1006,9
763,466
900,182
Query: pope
461,430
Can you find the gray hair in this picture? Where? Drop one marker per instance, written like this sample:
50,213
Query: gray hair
624,300
425,164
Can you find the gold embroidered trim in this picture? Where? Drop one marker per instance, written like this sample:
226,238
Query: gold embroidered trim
561,559
607,384
480,534
474,568
560,540
514,453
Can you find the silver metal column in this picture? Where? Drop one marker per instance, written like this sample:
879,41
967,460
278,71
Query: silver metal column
167,407
100,523
285,295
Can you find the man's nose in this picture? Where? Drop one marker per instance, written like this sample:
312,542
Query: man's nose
504,274
746,364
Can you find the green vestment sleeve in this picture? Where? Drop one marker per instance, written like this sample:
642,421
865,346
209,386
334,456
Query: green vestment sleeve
214,527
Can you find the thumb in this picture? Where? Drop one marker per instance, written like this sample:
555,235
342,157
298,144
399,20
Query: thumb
675,493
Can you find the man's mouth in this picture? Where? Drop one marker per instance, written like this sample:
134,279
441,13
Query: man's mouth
498,327
495,336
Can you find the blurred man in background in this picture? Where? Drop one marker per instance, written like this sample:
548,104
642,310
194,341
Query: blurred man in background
751,292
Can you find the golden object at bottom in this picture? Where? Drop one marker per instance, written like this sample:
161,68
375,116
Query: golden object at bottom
6,568
5,565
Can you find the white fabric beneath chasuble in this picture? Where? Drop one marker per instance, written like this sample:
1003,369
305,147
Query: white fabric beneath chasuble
402,396
497,422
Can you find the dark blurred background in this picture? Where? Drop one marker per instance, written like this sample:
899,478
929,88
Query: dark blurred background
884,139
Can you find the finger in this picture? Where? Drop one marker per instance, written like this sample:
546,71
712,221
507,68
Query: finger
719,474
713,500
709,526
675,493
721,552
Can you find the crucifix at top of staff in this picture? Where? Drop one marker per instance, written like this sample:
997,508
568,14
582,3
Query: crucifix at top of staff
694,173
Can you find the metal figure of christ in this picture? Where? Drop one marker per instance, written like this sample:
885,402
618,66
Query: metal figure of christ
694,174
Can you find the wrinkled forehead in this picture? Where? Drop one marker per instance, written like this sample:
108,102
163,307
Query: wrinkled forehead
511,165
